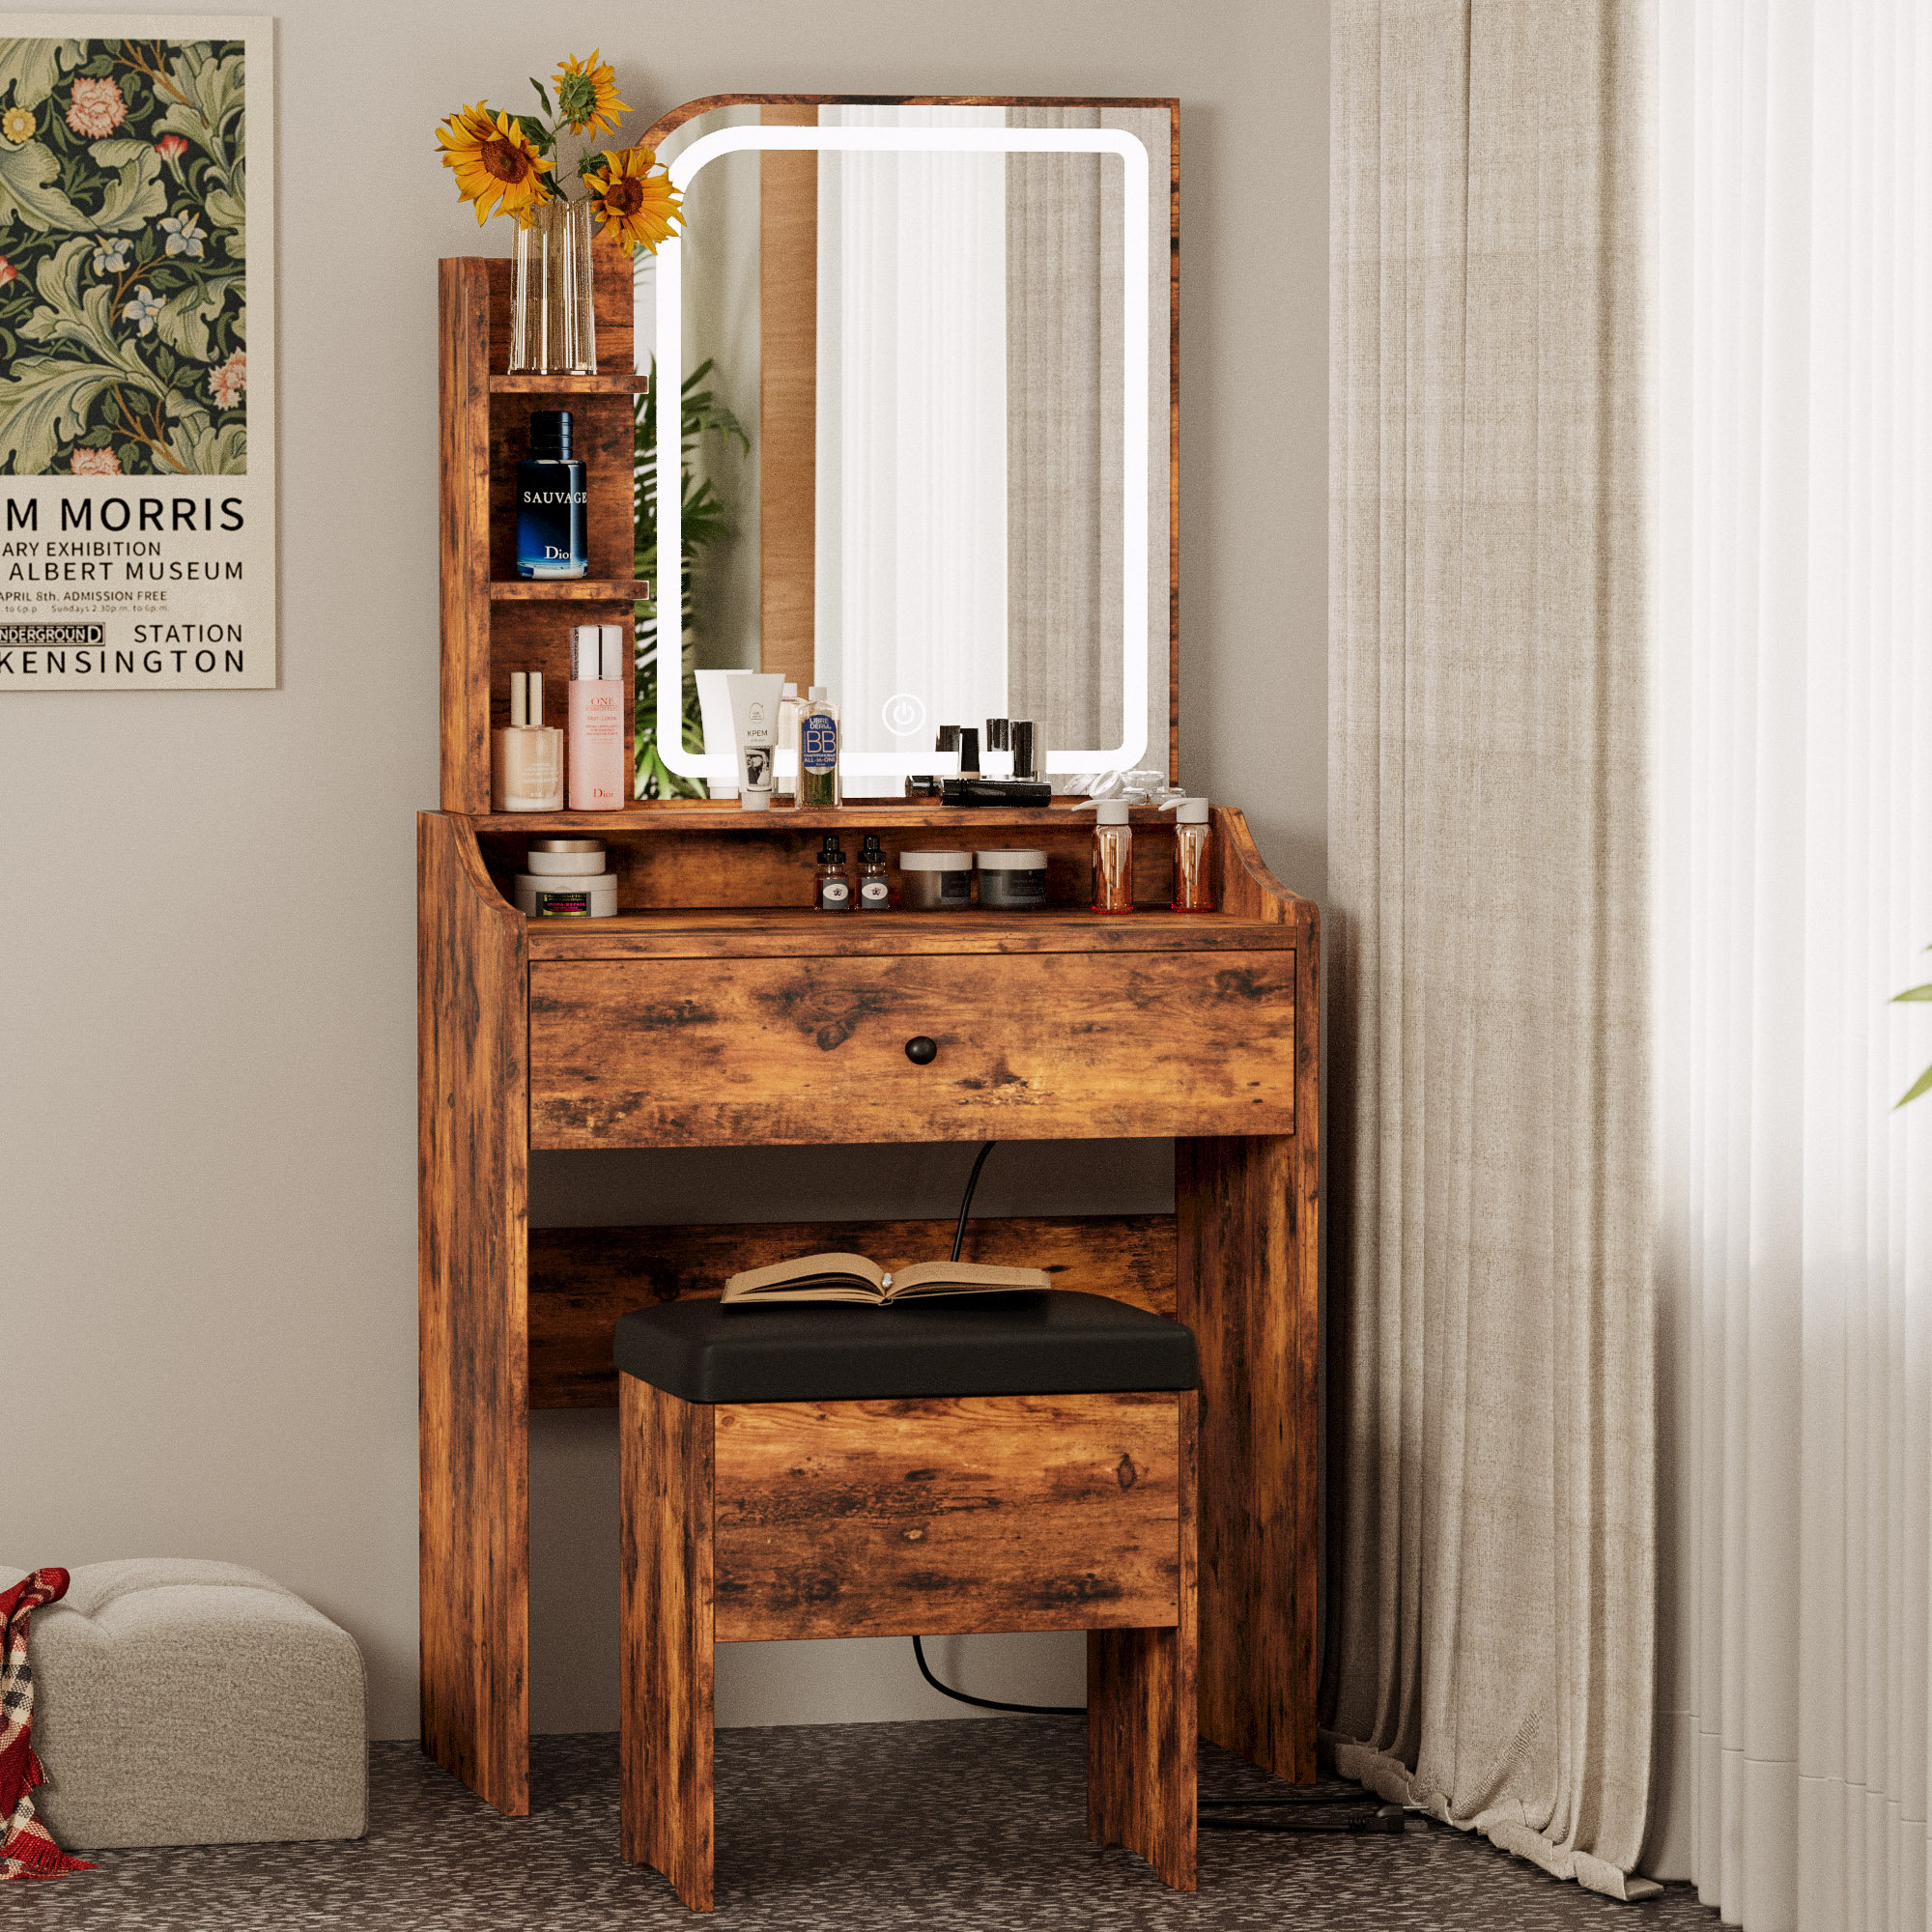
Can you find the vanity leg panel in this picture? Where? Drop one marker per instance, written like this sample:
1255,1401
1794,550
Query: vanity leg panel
473,1339
667,1620
1247,1289
1142,1723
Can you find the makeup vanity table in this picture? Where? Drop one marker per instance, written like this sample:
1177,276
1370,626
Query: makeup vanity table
717,1009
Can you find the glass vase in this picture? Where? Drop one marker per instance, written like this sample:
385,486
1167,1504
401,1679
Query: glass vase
552,330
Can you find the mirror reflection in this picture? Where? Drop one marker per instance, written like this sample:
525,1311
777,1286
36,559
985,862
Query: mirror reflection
913,469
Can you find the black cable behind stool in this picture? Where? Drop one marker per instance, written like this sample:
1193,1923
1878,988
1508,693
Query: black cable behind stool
1382,1818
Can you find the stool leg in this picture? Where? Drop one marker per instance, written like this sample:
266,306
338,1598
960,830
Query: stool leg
1143,1718
666,1458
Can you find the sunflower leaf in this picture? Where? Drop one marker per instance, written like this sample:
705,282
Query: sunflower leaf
536,134
543,95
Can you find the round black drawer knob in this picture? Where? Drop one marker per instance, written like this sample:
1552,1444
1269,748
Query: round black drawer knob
922,1050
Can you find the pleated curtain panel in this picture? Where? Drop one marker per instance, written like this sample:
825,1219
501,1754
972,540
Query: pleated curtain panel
1492,1580
1795,872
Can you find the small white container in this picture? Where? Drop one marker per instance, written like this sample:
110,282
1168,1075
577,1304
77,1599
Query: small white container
937,881
586,896
564,859
1013,880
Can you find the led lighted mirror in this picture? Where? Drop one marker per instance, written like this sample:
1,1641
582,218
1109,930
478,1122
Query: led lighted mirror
925,443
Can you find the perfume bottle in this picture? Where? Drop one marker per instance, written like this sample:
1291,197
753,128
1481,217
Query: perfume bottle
875,887
818,750
1193,846
1113,858
598,761
833,889
550,498
526,760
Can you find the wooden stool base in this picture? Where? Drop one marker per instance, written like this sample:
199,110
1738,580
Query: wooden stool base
911,1517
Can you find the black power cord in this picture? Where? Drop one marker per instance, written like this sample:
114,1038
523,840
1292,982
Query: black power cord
1383,1818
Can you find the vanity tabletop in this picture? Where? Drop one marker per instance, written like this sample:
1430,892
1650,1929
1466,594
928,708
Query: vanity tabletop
789,931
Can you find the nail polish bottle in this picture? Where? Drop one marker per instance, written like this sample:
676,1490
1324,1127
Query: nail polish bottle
598,762
550,499
833,889
527,757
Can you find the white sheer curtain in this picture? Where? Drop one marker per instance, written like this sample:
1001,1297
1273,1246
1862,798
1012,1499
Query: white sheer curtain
1794,849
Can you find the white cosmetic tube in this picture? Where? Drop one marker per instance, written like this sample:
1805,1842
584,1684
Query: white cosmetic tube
754,725
713,711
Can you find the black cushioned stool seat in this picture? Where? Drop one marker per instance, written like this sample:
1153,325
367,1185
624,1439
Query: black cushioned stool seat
1054,1342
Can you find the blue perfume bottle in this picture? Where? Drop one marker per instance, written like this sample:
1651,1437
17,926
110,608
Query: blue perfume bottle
550,498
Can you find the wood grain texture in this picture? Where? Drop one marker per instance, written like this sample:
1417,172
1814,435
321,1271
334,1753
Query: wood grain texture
607,383
1142,1724
716,862
789,404
1245,1292
746,1052
463,413
789,934
582,1279
571,590
981,1512
666,1730
473,1332
535,636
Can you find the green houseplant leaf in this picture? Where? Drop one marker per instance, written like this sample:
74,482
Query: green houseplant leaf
1924,1084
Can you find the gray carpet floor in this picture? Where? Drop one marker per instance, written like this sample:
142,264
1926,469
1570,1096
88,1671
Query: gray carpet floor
938,1827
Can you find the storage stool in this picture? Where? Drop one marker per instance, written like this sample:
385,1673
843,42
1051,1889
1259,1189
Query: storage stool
179,1702
998,1463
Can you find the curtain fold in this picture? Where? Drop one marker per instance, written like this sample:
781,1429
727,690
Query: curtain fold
1491,1649
1795,879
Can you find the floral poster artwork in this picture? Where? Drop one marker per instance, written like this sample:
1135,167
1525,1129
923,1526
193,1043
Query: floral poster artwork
137,429
124,320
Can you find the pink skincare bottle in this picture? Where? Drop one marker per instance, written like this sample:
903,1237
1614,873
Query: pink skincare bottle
599,763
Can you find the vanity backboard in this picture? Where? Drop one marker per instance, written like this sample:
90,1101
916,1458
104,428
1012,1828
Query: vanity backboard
927,351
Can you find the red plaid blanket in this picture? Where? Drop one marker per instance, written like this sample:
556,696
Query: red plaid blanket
26,1848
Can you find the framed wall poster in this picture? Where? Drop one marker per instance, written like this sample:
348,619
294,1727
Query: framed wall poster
138,412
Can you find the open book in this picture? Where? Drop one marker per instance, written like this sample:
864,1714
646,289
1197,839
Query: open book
853,1278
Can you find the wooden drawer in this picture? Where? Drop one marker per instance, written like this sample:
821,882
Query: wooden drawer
1070,1045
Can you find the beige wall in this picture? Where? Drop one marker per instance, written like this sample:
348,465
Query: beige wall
207,968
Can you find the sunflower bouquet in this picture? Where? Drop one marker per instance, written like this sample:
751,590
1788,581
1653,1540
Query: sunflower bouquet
509,163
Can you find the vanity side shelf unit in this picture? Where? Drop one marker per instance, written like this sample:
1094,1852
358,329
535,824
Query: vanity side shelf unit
717,1009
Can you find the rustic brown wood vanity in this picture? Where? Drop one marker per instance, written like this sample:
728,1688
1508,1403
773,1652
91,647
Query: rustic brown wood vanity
717,1009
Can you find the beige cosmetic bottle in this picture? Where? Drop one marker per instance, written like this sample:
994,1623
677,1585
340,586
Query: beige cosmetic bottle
526,756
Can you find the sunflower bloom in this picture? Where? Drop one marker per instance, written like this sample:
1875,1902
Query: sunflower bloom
494,162
641,205
586,94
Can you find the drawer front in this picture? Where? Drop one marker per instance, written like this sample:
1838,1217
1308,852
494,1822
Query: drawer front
1044,1046
988,1513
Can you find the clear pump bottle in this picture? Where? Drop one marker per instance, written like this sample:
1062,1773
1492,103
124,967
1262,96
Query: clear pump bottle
1113,858
784,783
1193,855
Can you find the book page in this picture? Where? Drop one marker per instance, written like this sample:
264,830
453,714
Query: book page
962,1278
810,1278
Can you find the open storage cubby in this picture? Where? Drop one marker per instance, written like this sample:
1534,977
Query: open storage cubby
494,622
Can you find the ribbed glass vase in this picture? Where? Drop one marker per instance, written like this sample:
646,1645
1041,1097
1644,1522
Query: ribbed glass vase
552,331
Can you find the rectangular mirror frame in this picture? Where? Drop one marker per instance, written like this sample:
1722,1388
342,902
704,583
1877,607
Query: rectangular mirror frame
796,138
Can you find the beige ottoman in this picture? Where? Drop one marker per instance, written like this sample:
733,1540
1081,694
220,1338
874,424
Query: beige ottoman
184,1703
